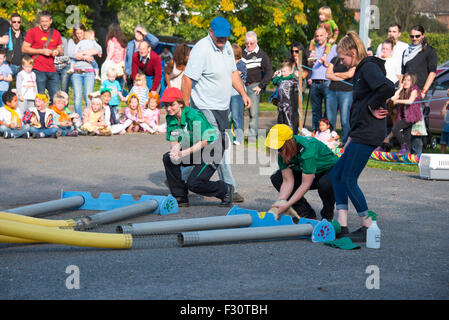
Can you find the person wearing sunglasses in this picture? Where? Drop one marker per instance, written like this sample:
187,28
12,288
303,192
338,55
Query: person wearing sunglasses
16,38
421,59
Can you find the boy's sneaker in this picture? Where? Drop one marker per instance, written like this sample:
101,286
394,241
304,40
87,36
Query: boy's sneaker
73,133
36,135
27,135
8,135
359,235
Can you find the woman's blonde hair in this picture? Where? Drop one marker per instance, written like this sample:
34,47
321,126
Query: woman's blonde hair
351,41
326,11
237,51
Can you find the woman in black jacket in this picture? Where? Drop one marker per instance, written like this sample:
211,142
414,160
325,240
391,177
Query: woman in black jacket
420,59
367,129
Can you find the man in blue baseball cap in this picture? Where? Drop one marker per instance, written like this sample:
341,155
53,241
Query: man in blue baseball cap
221,30
207,85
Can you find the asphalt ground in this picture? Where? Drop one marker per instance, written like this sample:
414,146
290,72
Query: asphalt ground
411,264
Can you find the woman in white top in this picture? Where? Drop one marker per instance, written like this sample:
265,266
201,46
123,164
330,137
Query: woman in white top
392,63
175,67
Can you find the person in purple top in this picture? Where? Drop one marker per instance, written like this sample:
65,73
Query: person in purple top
319,84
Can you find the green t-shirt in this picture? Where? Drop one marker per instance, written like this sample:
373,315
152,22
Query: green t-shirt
312,157
192,128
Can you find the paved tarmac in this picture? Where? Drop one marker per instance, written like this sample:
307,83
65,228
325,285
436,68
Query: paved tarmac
411,264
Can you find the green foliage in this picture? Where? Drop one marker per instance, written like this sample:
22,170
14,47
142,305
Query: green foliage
440,41
29,11
403,12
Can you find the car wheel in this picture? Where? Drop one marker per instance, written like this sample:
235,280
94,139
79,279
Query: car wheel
433,143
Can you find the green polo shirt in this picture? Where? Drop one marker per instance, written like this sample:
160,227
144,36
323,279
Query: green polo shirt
315,157
192,128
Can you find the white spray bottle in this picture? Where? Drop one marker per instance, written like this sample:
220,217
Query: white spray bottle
373,232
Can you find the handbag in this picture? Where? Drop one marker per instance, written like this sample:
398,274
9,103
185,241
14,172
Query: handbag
419,128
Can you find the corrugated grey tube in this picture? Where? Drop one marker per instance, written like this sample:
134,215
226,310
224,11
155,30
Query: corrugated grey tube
49,206
117,214
161,227
242,234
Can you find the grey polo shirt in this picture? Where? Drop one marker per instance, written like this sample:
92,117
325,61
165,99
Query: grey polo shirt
211,71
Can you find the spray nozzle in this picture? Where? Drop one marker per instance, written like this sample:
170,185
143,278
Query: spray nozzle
371,214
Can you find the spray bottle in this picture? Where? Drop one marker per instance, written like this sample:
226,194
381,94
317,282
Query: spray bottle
373,232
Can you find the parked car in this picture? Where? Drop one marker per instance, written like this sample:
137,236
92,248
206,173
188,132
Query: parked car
443,67
438,91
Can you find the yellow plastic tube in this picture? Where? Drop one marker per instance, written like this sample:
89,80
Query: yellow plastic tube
36,221
7,239
66,237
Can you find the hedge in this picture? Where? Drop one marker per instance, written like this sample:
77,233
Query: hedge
440,41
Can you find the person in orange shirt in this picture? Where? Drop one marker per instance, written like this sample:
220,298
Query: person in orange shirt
61,118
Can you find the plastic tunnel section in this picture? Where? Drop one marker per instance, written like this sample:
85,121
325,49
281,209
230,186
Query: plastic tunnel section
66,237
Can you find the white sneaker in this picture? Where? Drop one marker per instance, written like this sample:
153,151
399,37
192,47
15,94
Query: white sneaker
237,143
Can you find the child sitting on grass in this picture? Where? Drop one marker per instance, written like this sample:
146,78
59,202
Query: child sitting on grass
10,124
41,119
64,121
93,119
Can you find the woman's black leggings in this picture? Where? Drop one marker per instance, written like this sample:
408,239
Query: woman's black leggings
406,135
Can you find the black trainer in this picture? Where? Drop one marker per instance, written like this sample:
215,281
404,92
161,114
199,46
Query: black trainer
182,202
228,198
343,232
359,235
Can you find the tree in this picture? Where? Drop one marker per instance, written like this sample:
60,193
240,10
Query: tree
277,23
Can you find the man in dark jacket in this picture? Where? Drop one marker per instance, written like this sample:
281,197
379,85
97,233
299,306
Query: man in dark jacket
259,73
17,36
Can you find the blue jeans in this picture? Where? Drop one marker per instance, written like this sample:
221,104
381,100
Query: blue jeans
16,133
254,110
237,107
46,131
224,170
79,81
344,176
66,130
342,100
15,69
47,80
1,100
318,93
64,79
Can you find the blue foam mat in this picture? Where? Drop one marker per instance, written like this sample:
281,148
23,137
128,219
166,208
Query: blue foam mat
106,201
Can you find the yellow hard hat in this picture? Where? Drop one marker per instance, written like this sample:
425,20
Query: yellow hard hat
278,135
